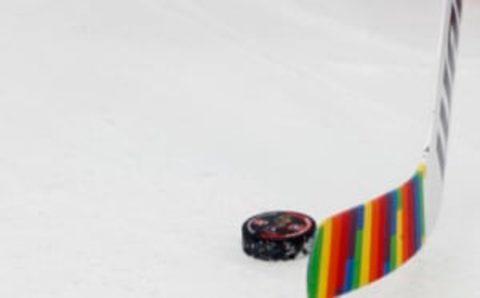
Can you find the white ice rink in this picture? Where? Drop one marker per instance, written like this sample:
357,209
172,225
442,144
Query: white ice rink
136,136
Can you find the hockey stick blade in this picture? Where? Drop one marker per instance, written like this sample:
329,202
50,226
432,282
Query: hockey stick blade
361,245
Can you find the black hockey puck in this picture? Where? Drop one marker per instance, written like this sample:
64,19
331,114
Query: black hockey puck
279,235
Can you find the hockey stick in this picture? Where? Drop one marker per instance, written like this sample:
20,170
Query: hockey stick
361,245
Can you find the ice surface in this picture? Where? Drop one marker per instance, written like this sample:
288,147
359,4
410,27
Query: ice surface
136,136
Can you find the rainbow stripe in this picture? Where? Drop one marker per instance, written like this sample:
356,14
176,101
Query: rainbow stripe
361,245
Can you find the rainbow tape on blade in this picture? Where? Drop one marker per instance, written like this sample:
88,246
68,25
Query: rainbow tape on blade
363,244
